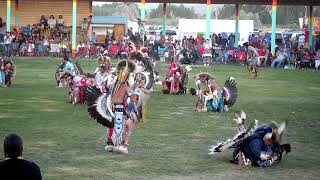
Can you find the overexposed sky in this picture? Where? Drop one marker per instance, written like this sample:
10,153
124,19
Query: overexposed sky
150,5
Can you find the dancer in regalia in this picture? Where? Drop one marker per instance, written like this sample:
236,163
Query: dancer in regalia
116,109
212,98
176,79
256,145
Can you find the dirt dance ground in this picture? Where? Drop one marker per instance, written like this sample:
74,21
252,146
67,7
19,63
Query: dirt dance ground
173,141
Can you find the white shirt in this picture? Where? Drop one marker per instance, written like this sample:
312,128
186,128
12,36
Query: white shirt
7,39
52,22
60,21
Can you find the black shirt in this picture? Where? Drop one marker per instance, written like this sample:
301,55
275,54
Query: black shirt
19,169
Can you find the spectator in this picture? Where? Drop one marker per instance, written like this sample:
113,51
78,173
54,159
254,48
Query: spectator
63,45
52,22
306,59
267,58
281,56
2,74
1,24
35,32
14,166
46,43
79,46
31,47
44,21
317,59
14,34
231,40
7,43
94,38
84,29
60,21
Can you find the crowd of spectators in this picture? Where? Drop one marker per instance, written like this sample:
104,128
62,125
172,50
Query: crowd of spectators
48,36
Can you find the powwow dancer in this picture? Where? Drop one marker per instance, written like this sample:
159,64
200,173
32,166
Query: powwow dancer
256,145
7,72
212,98
64,71
114,109
176,79
252,59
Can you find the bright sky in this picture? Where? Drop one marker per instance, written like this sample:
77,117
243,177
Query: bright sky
148,5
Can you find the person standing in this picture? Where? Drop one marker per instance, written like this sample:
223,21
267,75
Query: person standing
7,43
14,166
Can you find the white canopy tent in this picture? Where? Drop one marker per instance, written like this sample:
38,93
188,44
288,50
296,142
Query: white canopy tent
190,27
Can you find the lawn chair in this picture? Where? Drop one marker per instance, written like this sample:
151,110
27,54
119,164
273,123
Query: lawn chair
22,50
93,52
241,57
39,50
114,50
81,52
123,53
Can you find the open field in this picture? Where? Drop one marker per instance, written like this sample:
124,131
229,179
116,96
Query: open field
173,141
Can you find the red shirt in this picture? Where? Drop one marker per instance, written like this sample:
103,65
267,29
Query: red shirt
201,50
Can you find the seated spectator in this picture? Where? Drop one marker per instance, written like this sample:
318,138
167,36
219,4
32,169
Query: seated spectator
281,56
306,59
114,49
44,21
31,48
60,21
35,31
79,46
317,59
14,166
14,34
26,31
267,58
46,43
52,22
63,45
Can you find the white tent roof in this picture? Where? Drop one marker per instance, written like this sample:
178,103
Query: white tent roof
193,26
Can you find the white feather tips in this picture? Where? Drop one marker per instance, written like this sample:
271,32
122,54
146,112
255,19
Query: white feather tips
101,106
188,68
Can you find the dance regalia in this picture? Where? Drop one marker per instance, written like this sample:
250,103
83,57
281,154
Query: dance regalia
249,148
114,108
212,97
7,73
175,81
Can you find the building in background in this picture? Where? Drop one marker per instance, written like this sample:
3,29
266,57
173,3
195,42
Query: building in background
103,25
